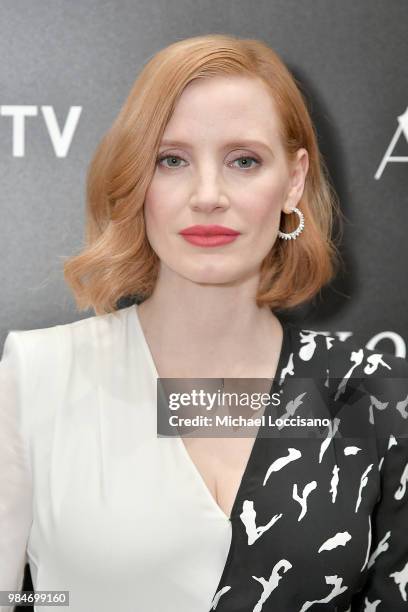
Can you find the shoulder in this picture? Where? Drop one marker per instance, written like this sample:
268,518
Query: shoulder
40,341
51,364
46,357
374,379
348,364
345,355
352,359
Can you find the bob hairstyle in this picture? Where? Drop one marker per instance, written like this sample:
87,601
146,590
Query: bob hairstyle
117,260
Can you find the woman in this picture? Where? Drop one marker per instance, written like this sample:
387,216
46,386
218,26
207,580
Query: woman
209,201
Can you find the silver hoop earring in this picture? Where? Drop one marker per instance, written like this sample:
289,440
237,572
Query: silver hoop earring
293,235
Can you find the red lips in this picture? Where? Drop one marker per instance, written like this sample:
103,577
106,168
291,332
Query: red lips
208,230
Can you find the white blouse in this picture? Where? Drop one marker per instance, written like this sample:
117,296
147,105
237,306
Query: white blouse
90,497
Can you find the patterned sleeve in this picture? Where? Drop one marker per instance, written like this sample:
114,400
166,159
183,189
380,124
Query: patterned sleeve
386,584
15,477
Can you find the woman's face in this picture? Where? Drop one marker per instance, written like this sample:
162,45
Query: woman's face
221,162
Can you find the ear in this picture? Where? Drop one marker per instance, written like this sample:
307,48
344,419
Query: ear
298,172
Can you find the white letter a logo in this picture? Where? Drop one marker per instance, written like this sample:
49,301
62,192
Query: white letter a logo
402,128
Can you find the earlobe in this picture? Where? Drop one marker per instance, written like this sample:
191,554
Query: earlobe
288,207
291,201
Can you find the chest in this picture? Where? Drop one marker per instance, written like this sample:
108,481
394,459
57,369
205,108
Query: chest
221,463
219,455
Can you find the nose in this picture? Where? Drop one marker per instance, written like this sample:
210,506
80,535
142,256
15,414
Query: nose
208,192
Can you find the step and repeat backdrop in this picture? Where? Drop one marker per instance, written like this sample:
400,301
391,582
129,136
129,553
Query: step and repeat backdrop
66,70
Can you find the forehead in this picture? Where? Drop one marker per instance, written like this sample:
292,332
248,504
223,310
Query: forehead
225,106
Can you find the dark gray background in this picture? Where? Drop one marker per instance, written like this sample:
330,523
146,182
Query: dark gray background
351,58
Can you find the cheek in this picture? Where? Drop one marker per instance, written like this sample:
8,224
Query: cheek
267,203
156,207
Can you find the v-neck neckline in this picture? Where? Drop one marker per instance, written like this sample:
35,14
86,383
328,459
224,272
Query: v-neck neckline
285,350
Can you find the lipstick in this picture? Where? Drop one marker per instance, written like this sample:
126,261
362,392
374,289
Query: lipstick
209,235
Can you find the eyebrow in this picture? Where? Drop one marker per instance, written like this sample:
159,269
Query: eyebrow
242,142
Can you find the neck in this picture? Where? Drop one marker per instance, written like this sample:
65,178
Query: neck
224,322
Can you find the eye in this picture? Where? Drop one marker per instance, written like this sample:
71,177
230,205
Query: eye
247,165
248,160
172,158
